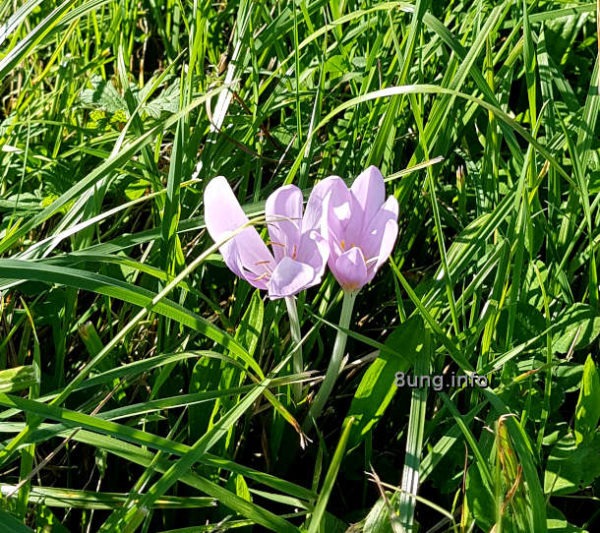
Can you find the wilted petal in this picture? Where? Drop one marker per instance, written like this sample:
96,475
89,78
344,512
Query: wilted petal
350,269
369,190
283,211
290,277
245,254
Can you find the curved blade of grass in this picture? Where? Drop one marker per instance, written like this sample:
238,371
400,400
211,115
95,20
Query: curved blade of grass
318,514
26,45
433,89
100,284
85,499
139,454
134,514
414,443
525,452
17,18
122,154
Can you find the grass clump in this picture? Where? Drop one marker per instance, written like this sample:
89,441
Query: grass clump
143,387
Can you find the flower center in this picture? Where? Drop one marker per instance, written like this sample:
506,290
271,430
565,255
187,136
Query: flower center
345,247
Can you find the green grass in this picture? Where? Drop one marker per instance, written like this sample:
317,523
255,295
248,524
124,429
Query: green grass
144,388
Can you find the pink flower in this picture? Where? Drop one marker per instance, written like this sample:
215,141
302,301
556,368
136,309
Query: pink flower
359,224
299,251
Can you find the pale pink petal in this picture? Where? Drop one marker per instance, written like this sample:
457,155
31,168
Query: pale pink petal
390,232
369,190
378,237
313,251
222,211
338,205
283,211
354,227
350,270
255,273
331,190
290,277
245,254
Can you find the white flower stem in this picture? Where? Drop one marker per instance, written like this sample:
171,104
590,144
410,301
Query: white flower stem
297,361
335,363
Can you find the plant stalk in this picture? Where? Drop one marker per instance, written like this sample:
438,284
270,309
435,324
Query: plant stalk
335,363
297,360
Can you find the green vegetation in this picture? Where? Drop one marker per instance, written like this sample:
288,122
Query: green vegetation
143,387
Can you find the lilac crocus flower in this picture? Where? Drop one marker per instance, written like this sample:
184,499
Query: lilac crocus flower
299,251
359,224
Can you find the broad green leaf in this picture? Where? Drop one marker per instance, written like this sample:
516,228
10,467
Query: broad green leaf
480,499
382,517
512,499
572,467
378,386
577,327
18,378
587,412
250,329
10,524
535,512
102,95
557,523
237,484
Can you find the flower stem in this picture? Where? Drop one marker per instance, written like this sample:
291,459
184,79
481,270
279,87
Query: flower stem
335,363
297,362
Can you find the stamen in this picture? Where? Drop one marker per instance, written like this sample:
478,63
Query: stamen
263,276
267,271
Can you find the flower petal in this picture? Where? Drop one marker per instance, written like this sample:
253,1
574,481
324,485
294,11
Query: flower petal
350,270
245,254
283,212
222,211
369,190
390,233
290,277
378,237
256,274
313,251
331,191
